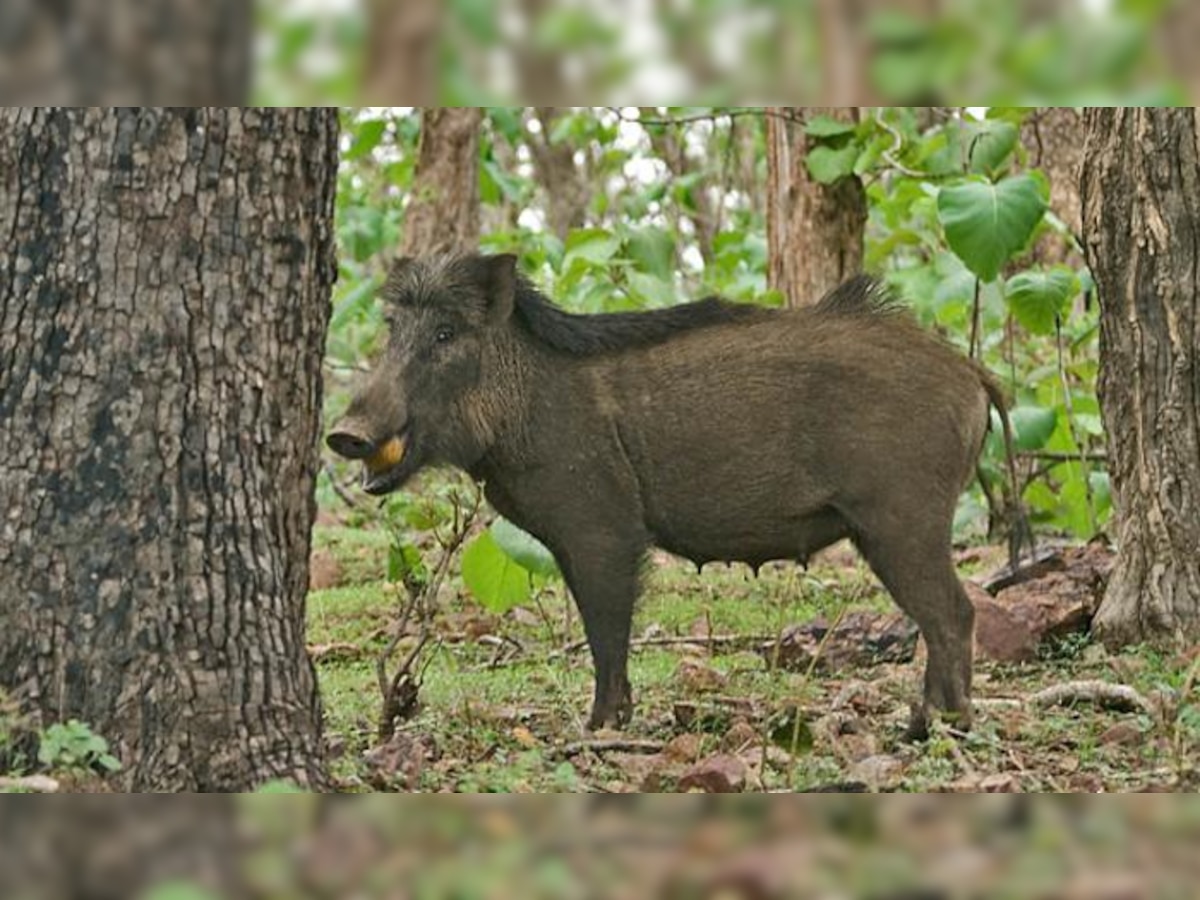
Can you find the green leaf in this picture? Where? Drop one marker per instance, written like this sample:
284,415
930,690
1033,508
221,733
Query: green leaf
405,564
280,786
1037,299
523,548
367,136
989,145
986,224
653,250
593,245
1032,426
493,577
178,890
828,127
827,164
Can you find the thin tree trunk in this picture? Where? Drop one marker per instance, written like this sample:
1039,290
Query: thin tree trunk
125,51
564,190
402,51
1054,136
814,231
1141,178
163,307
670,149
443,215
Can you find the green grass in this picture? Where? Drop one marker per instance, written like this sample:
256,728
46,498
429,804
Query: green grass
501,697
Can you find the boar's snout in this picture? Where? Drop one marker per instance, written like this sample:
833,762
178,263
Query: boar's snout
352,440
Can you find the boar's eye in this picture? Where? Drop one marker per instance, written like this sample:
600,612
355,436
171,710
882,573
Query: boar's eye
444,334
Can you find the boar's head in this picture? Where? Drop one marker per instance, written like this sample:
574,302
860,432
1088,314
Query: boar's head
423,401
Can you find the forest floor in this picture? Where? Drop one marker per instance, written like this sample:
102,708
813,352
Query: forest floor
503,700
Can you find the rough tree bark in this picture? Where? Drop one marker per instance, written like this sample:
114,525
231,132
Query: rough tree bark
443,215
125,51
402,51
1054,136
1141,178
164,296
814,231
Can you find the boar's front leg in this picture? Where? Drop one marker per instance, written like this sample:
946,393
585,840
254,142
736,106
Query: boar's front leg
603,575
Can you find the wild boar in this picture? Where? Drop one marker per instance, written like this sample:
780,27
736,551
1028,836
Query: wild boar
713,430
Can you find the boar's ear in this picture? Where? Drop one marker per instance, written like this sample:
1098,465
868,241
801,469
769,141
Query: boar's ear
396,269
498,278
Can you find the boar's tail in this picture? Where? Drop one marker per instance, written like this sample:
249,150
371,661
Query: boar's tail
1020,531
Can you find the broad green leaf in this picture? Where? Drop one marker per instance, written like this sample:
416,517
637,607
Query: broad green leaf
523,548
367,136
986,224
492,576
356,300
405,564
653,250
989,145
828,127
1038,298
1032,426
594,245
651,290
827,165
178,890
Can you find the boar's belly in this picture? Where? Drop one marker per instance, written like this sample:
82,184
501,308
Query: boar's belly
752,538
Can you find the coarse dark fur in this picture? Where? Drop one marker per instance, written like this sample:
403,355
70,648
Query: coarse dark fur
713,430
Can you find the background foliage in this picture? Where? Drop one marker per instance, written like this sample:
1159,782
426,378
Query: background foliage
670,208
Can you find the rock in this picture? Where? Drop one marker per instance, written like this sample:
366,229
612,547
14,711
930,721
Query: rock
861,639
1000,635
1123,734
719,774
684,748
697,677
877,771
324,571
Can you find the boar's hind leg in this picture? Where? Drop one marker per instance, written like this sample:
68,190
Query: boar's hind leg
605,587
917,569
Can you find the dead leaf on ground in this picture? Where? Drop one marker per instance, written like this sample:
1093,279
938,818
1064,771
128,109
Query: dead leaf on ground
719,774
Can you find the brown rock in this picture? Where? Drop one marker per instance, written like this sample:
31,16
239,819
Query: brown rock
861,639
324,571
1000,635
1122,734
720,774
697,677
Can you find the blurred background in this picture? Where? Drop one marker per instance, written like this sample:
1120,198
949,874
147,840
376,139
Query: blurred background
477,52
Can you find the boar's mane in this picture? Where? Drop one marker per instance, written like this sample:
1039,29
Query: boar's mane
592,335
862,295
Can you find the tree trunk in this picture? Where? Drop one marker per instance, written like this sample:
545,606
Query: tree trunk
443,215
565,191
402,49
163,308
666,142
96,849
814,231
125,51
1141,178
1054,136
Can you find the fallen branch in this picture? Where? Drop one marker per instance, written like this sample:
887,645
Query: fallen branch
1119,697
734,641
33,784
609,745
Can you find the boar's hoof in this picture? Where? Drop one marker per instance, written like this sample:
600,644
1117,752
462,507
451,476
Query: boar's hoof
614,711
922,715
